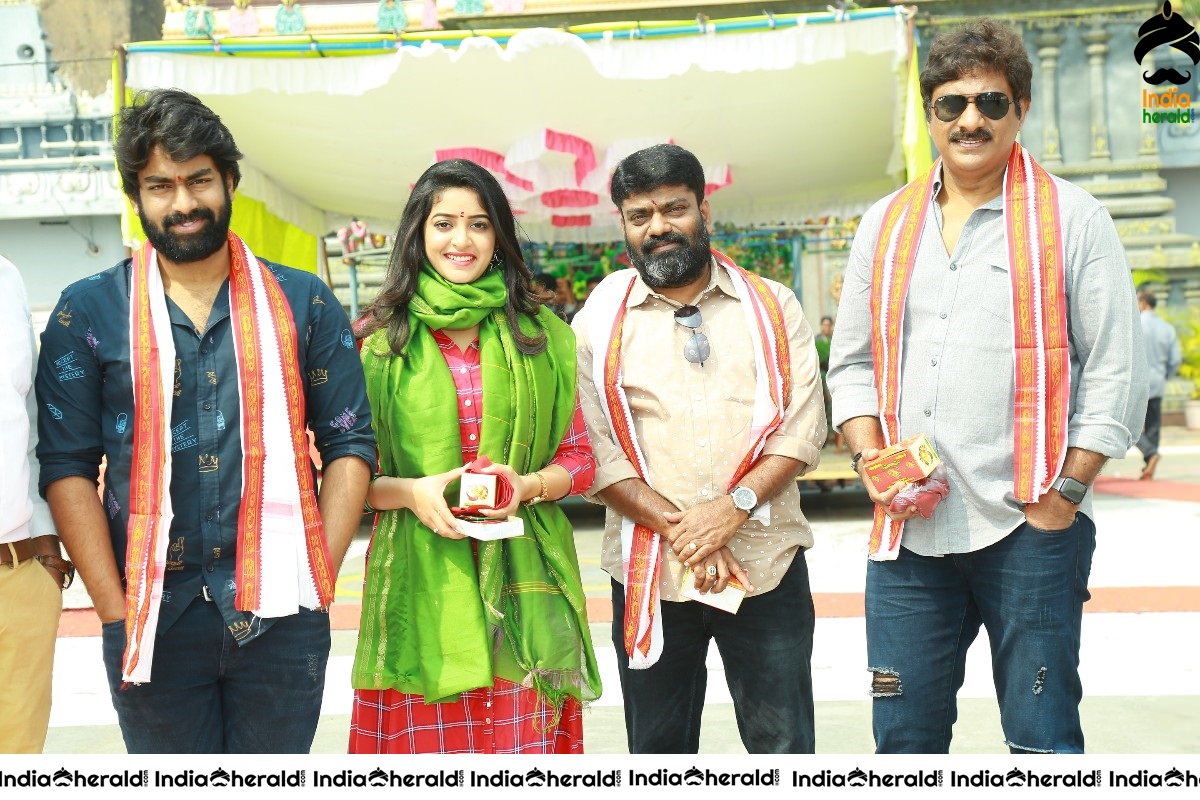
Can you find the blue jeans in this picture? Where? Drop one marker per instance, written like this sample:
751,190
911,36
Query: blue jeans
1028,590
1147,443
767,651
209,695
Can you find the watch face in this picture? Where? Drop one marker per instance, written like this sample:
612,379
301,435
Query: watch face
1072,490
744,498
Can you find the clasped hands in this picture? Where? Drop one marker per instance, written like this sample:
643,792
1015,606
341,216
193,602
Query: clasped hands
429,498
699,537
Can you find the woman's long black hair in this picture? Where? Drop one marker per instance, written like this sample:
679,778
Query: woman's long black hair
390,309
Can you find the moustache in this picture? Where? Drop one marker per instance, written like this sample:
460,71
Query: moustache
1167,74
183,219
669,238
971,136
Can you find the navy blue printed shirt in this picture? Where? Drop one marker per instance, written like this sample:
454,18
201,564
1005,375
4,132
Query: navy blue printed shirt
85,392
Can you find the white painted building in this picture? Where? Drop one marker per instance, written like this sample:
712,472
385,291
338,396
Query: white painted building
60,199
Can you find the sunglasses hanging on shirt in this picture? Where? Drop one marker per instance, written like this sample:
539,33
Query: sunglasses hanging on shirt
696,350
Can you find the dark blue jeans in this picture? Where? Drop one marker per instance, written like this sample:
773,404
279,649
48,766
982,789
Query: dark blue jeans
208,695
1147,444
767,651
1028,590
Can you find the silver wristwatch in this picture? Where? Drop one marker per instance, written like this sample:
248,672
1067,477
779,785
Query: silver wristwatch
744,498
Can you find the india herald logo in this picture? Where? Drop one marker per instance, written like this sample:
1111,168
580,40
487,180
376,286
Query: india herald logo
1167,28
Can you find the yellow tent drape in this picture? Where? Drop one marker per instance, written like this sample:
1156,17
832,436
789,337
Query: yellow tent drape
918,150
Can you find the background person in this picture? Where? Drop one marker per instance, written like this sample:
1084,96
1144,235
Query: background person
1163,358
470,646
565,302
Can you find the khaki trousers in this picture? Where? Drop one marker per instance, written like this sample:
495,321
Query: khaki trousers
30,604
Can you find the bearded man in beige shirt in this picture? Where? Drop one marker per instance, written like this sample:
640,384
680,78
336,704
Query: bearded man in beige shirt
701,390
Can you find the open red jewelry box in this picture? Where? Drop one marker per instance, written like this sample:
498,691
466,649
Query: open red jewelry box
479,491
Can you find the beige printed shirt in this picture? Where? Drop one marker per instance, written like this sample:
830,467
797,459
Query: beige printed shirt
693,421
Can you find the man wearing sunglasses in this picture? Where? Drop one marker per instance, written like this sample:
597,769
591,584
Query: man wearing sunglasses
987,305
702,395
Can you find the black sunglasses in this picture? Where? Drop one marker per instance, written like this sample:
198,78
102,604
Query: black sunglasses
993,105
696,350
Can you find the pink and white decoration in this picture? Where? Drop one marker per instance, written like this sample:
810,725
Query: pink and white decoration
552,176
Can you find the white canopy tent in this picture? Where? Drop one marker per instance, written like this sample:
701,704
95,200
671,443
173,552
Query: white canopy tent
800,121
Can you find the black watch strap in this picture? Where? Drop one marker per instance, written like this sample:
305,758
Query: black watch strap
857,457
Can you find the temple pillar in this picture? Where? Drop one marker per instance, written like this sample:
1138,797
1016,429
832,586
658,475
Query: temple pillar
1049,41
1097,38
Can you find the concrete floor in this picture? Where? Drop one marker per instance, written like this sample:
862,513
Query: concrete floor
1139,666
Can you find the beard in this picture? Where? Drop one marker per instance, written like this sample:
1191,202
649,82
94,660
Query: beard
186,248
677,267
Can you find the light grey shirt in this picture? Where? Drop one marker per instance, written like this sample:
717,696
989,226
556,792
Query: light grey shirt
1163,356
957,359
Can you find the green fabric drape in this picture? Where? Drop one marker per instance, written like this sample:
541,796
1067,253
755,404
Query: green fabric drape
434,623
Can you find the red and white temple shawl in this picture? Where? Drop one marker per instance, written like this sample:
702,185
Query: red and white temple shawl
641,547
1042,367
283,559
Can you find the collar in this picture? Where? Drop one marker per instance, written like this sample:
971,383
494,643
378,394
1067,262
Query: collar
995,204
218,312
445,342
717,279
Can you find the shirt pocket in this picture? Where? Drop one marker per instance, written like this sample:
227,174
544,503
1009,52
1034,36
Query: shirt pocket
992,291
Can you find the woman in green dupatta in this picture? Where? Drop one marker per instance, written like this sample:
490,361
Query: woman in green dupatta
465,645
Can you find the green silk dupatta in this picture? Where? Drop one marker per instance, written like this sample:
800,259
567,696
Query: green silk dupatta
433,622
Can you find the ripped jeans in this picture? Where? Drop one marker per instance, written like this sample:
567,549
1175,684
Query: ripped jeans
923,612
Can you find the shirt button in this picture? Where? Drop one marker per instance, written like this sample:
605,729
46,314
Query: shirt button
208,406
954,266
488,720
928,413
704,492
699,398
210,568
203,351
208,517
933,362
463,370
467,403
943,315
471,437
700,443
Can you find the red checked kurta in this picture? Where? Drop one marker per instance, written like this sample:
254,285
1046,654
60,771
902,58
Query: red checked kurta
506,717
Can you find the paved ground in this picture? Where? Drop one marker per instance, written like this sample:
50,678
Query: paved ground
1138,659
